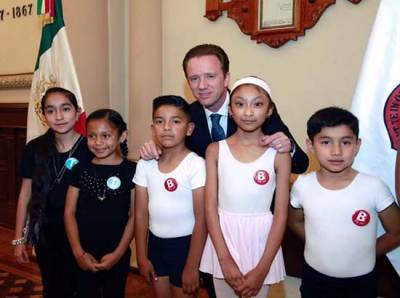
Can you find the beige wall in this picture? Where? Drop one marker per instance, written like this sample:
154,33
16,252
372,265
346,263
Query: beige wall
145,68
317,70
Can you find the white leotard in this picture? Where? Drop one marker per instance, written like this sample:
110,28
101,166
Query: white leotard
170,194
340,225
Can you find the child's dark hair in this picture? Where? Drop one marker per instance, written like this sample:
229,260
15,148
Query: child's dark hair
331,117
68,94
172,100
116,120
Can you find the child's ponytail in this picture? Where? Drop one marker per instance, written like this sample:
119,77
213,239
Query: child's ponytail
124,148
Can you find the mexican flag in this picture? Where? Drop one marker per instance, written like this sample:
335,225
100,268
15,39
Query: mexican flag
54,67
376,101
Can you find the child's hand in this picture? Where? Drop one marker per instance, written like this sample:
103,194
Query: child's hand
21,254
190,280
107,261
147,270
87,262
231,272
252,284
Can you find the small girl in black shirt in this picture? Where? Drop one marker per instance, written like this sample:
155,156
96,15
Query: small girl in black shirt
45,169
98,212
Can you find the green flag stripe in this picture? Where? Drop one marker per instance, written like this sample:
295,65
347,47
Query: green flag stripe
39,7
49,31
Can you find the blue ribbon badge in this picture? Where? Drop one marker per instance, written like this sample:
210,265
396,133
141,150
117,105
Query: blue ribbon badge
113,182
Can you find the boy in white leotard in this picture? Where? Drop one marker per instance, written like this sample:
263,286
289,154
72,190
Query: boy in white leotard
336,210
169,207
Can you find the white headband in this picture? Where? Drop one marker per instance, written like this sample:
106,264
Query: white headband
253,81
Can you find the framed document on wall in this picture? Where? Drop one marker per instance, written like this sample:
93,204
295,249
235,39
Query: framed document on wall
20,30
273,22
277,13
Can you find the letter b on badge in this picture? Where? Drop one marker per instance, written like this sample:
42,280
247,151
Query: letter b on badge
361,218
261,177
170,184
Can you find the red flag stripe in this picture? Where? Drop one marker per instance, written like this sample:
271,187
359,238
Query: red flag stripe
46,6
80,125
51,8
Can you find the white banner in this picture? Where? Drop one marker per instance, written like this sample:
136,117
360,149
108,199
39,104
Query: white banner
376,101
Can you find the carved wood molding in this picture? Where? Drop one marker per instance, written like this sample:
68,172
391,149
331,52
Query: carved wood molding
16,81
305,15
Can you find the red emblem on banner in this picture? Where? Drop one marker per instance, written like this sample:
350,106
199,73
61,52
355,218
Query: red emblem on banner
391,117
261,177
170,184
361,218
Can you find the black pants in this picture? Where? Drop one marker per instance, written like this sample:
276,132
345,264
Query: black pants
388,279
317,285
106,283
208,284
56,262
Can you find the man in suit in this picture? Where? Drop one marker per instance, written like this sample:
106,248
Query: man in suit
206,69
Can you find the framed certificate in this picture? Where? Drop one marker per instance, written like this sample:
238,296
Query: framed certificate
277,13
273,22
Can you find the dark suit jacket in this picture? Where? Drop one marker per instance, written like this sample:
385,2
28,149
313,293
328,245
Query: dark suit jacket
201,138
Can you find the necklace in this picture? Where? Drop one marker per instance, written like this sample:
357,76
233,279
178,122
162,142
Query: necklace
102,197
60,174
100,194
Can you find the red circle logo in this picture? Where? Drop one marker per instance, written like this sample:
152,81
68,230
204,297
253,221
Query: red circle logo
261,177
391,115
170,184
361,218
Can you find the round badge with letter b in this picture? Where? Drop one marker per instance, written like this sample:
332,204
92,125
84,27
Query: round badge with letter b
170,184
261,177
361,218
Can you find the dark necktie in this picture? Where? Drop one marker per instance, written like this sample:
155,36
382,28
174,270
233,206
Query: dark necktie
217,132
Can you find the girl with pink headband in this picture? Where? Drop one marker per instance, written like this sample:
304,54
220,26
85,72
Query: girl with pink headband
243,249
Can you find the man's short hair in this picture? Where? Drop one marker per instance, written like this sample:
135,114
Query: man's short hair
206,50
172,100
331,117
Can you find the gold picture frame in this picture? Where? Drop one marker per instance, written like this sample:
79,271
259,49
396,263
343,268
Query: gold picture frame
23,80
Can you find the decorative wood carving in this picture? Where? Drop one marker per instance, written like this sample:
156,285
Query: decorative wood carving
248,16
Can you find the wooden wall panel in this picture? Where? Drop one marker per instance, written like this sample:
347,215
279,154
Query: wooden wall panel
12,142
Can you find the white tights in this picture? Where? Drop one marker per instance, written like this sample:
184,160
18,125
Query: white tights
224,290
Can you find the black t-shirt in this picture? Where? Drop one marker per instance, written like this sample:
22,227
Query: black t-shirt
103,205
56,197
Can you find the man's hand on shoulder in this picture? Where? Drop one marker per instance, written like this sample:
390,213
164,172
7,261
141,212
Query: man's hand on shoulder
150,151
279,141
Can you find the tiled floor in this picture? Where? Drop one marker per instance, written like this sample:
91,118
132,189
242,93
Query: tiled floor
136,286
